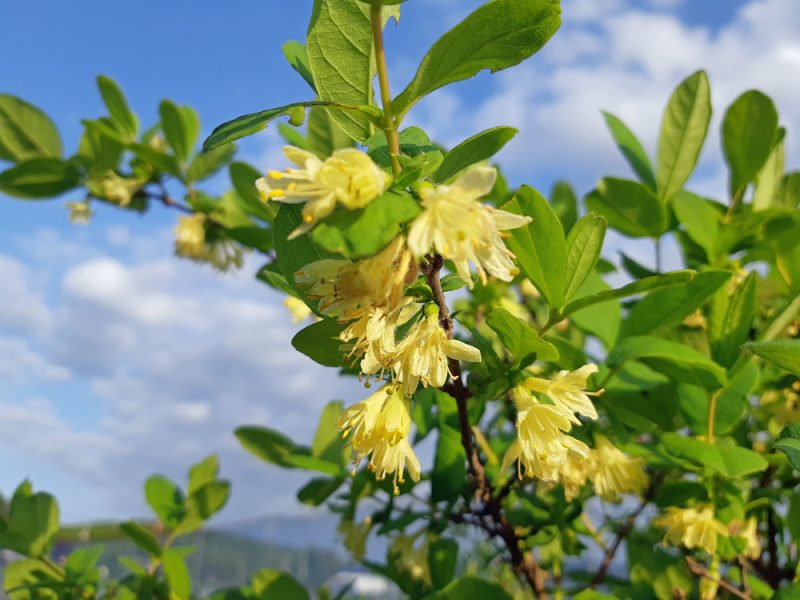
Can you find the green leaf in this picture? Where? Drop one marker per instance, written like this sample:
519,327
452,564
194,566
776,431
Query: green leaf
631,149
769,178
269,584
496,36
724,458
601,319
674,360
788,194
737,322
789,443
645,284
203,473
297,56
117,105
449,474
244,177
181,127
667,307
96,148
267,444
478,148
312,463
321,343
365,232
26,131
630,207
472,587
327,443
203,504
207,164
165,499
160,161
39,178
565,204
249,124
700,218
341,59
540,247
787,592
318,490
324,135
584,243
683,133
177,574
33,520
142,538
442,560
749,131
81,562
521,339
784,354
731,403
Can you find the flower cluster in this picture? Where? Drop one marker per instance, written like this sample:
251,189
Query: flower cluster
192,241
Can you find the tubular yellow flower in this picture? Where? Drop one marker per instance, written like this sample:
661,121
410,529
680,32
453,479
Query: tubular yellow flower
692,527
574,474
614,473
567,390
421,357
297,308
79,212
749,532
395,459
354,536
462,229
190,237
349,177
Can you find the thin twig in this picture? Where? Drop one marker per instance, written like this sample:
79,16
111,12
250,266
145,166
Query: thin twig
700,571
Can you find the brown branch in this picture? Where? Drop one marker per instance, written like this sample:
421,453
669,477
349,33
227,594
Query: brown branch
700,571
523,563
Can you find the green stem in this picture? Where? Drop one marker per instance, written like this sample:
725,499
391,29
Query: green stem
712,416
389,126
735,202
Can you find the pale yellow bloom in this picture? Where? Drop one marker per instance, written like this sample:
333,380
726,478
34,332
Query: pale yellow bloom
395,459
421,357
79,212
692,527
459,227
614,473
349,178
574,474
297,308
190,237
749,532
567,390
110,186
354,536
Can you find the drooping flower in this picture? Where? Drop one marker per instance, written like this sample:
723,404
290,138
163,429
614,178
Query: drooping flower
614,473
692,527
567,390
349,178
79,212
574,473
459,227
749,532
421,357
297,308
354,536
190,236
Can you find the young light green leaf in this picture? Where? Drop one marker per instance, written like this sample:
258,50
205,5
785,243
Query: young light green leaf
165,499
209,163
737,322
601,319
630,207
748,136
674,360
364,232
327,443
565,204
667,307
632,150
33,520
478,148
731,403
584,244
769,177
700,218
244,177
181,127
324,134
321,343
726,459
788,194
784,354
117,105
26,132
267,444
40,178
177,574
81,562
204,472
203,504
297,56
496,36
312,463
522,340
269,584
683,133
142,538
540,247
637,287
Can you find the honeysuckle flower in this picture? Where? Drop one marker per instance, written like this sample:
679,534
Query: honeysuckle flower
318,279
574,474
349,178
395,459
421,357
749,532
692,527
79,212
354,536
115,188
297,308
567,390
614,473
190,237
459,227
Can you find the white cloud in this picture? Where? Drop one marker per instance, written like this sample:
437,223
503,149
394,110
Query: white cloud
22,306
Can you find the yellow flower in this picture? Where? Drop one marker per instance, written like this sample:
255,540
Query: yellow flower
692,527
749,532
410,559
349,177
421,357
380,426
460,228
297,308
108,185
79,212
318,279
614,473
190,237
574,474
568,391
354,536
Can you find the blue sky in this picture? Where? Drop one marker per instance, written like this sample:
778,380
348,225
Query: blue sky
117,360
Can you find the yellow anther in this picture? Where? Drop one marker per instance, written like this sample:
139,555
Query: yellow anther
275,174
